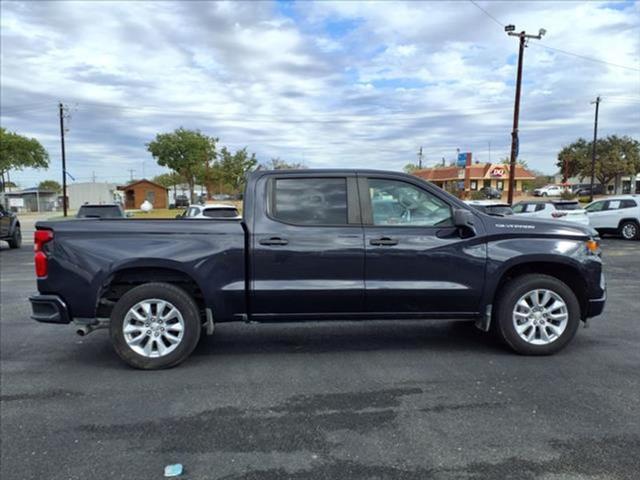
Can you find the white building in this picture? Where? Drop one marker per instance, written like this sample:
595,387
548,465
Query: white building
92,192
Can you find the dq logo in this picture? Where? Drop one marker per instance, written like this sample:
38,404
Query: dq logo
498,172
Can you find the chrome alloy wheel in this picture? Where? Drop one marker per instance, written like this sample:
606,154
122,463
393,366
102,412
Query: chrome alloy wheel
540,316
153,328
629,231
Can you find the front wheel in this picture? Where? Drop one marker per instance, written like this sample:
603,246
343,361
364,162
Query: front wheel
537,314
155,326
629,230
16,239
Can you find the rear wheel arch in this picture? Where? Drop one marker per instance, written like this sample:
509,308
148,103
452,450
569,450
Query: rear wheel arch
121,281
564,272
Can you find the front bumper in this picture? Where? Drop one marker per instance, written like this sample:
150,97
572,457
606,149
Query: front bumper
596,305
49,309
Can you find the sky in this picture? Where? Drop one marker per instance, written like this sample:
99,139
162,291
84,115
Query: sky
327,84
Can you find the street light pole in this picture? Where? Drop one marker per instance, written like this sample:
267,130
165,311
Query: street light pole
510,29
593,150
64,161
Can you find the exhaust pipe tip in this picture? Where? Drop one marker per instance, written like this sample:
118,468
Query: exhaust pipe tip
83,331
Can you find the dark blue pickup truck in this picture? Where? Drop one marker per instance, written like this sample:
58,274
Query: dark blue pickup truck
318,245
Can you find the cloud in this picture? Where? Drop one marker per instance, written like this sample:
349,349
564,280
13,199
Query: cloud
330,84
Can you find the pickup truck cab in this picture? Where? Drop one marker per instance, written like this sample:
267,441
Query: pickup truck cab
318,245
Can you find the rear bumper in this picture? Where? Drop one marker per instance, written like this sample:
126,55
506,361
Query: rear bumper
49,309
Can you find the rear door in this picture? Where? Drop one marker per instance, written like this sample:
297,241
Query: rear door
307,247
416,262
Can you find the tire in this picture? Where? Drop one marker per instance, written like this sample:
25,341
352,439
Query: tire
629,230
132,347
558,332
16,239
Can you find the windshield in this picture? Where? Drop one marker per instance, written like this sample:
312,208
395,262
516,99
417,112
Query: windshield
100,211
220,212
567,206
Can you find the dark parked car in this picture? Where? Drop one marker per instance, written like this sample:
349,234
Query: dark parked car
10,228
313,245
107,210
182,201
584,190
491,193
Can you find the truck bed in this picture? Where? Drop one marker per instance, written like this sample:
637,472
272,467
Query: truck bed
87,254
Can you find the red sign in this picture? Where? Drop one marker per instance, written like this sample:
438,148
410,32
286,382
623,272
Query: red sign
498,172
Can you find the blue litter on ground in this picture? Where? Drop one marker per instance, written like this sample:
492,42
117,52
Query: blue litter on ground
173,470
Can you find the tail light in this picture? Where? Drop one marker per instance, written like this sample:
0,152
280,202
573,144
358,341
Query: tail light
40,237
558,214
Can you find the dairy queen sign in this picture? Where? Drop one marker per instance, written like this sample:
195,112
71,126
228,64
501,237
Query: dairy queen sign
498,172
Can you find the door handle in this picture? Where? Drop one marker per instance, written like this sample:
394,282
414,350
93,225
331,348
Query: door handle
383,241
274,241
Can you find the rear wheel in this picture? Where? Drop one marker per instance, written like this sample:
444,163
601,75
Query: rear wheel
629,230
16,239
537,314
155,326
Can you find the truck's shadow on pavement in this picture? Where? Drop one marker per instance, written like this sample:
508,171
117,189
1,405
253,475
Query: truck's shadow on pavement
335,337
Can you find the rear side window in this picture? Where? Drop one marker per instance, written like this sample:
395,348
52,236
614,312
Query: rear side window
628,204
613,205
310,201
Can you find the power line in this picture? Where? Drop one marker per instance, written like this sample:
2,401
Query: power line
559,50
488,14
590,59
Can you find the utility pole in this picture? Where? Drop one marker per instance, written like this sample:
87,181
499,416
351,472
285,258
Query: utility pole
593,150
64,161
489,151
515,147
131,170
420,159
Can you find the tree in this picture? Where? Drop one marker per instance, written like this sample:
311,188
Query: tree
50,185
279,164
234,167
18,152
184,152
169,180
522,163
615,156
410,168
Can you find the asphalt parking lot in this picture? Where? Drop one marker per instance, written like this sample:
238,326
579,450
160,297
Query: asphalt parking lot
376,400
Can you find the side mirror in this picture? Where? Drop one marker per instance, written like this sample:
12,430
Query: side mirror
464,220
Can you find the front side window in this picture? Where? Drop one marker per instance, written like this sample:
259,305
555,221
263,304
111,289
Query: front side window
395,202
310,201
519,207
595,207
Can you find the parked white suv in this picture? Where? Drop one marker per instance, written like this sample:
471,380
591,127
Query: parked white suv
211,210
619,214
548,191
564,210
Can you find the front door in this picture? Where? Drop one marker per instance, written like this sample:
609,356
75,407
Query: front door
5,222
416,261
307,248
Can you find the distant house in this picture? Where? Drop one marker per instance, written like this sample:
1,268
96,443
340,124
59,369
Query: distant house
33,200
92,192
137,192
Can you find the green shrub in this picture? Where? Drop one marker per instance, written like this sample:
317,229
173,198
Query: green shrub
477,195
583,199
567,195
